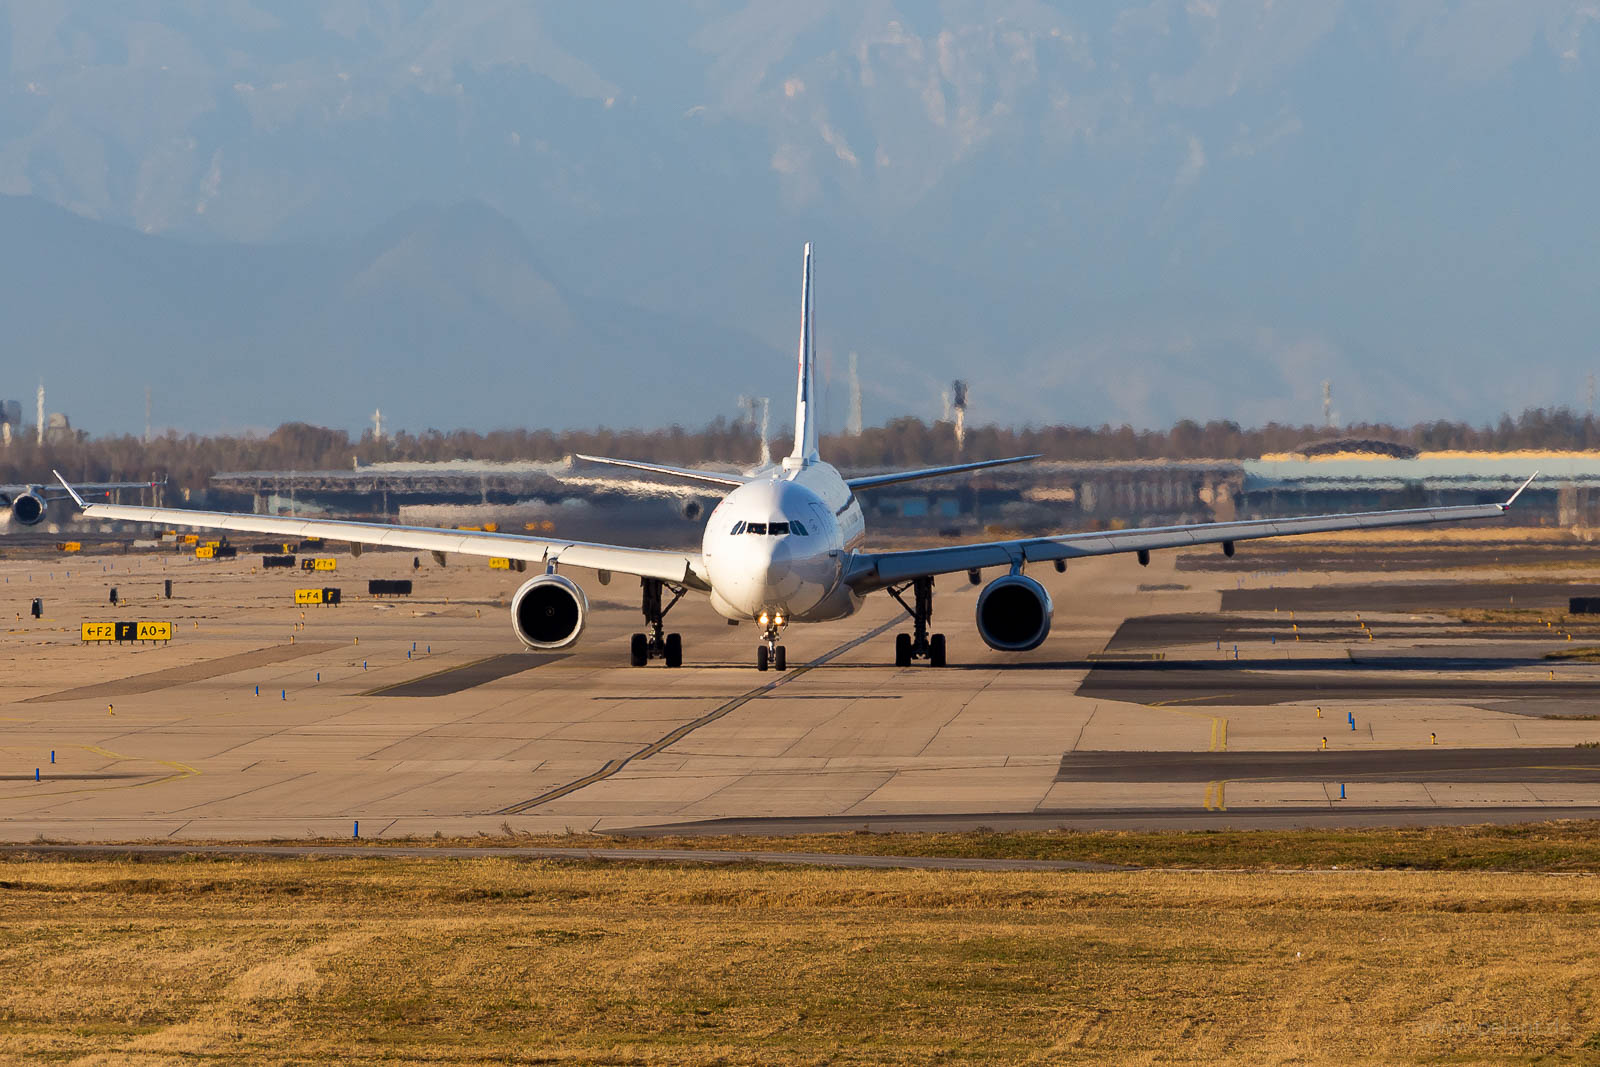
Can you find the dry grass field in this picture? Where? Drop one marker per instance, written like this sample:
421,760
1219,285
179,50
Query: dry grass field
409,960
1556,845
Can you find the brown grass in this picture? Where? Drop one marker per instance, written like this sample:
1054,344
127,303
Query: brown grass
368,961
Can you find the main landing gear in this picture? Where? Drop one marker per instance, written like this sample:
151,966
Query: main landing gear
918,644
657,645
769,653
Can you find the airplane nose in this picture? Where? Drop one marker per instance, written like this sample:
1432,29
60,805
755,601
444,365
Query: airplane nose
781,580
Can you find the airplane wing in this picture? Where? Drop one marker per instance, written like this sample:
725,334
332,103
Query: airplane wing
875,570
683,473
684,568
873,481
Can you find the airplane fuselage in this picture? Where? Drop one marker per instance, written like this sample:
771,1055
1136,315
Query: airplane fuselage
777,546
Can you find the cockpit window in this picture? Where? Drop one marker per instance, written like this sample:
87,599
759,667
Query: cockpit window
756,528
738,528
799,528
777,528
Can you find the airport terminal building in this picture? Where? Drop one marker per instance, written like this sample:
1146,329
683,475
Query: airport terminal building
1043,496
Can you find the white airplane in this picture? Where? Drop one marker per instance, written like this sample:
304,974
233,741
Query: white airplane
28,504
785,546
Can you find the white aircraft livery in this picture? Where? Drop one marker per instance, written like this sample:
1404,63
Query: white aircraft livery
27,505
786,546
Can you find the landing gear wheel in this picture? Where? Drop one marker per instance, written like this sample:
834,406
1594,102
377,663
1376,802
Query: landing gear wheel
780,661
657,644
917,644
902,650
761,657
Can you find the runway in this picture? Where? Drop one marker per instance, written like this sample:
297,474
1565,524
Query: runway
419,716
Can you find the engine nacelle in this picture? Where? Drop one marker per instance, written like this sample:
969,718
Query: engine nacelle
1014,614
549,612
28,509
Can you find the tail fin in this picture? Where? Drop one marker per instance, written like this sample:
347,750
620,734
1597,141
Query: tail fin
805,411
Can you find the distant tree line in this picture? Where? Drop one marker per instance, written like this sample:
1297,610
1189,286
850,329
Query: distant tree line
188,461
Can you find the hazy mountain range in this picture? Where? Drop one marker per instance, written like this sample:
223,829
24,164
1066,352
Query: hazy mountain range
489,213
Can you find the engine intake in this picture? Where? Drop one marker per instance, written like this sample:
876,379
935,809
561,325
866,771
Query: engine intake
28,509
549,612
1014,614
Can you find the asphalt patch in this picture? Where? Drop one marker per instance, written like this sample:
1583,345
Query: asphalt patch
152,681
1372,557
1157,632
1260,682
1571,765
1408,597
467,675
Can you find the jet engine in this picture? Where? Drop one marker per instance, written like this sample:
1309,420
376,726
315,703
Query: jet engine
28,508
549,612
1014,614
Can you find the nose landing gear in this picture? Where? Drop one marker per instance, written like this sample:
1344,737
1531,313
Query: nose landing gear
769,653
656,645
918,644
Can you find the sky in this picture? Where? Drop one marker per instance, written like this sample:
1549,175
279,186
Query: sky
482,214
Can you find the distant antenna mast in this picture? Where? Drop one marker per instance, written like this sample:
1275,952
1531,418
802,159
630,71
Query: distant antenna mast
1327,404
1591,396
958,402
853,426
39,429
757,424
766,446
147,414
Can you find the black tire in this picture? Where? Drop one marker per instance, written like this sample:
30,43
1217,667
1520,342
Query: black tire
761,657
639,651
780,662
936,650
902,650
674,650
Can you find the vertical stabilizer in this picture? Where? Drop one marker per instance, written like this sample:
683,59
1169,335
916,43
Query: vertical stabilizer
805,411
